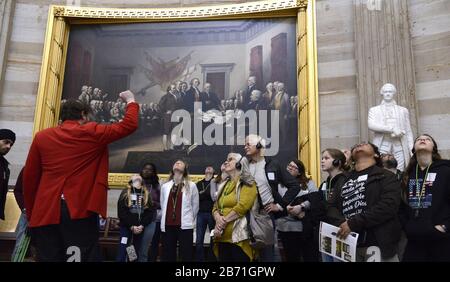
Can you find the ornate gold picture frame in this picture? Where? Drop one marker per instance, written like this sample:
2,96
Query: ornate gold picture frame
63,19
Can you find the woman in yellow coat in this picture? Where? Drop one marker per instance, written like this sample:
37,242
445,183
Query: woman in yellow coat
236,197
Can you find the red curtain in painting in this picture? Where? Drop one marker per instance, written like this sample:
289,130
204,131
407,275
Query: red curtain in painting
278,58
72,80
256,65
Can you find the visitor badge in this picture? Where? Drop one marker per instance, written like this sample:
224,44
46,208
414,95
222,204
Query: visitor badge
431,177
133,197
271,176
124,240
363,177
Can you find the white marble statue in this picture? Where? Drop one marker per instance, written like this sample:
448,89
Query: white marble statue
391,126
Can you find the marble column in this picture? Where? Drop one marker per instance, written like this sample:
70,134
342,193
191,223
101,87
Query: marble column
6,13
383,54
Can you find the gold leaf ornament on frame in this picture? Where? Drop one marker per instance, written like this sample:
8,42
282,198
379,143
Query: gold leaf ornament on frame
59,11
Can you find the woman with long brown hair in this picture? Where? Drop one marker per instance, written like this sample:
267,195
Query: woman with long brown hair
179,207
426,211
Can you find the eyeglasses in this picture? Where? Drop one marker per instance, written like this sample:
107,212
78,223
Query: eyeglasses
292,166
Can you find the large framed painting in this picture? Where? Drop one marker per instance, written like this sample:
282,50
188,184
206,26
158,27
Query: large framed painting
205,77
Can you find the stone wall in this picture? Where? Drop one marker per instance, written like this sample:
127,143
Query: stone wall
338,99
430,32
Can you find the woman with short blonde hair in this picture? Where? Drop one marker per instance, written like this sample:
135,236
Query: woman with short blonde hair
236,197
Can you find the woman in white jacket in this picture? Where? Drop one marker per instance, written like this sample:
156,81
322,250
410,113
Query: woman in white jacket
179,207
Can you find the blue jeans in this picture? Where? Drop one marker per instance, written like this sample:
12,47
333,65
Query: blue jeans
204,219
147,237
21,229
141,242
154,251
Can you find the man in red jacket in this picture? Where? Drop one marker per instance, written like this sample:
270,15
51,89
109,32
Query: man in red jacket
66,179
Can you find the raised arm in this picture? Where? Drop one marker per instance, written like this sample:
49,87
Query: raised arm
109,133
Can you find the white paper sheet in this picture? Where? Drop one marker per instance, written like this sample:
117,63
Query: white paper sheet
344,250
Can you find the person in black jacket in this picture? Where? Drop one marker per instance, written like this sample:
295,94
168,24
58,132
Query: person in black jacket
333,163
7,139
425,214
135,214
369,201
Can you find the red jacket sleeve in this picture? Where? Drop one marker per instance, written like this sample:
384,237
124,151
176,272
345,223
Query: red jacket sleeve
109,133
31,177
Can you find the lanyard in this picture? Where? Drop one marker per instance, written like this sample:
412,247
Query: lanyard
139,202
420,192
174,200
328,187
203,186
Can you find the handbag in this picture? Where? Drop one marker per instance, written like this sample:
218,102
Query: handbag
131,251
260,226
